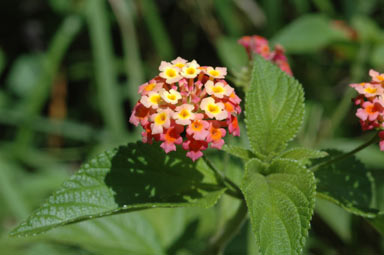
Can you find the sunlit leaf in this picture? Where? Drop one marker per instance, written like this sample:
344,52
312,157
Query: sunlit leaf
280,204
125,179
274,108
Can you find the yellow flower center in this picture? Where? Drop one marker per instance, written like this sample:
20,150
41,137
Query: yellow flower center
180,65
171,97
212,108
160,118
155,99
170,73
191,70
218,89
370,90
150,87
184,114
214,73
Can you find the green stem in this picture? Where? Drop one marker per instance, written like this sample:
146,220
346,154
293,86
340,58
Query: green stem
156,29
132,61
346,155
232,189
109,96
222,238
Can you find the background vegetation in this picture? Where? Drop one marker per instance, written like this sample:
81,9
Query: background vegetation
69,73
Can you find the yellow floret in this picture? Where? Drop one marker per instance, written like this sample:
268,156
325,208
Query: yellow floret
160,118
184,114
155,99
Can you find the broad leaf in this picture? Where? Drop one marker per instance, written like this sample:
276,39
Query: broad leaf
308,33
238,151
274,108
280,204
119,234
346,183
128,178
303,154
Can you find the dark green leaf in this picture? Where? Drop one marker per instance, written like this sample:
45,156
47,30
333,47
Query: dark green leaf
280,204
274,108
346,183
128,178
378,223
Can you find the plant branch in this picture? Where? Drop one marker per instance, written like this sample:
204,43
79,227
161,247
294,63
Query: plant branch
346,155
222,238
232,189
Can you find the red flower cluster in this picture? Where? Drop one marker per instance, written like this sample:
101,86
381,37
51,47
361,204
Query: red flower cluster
259,45
187,104
371,102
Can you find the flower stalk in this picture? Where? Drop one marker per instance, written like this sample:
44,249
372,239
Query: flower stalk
373,140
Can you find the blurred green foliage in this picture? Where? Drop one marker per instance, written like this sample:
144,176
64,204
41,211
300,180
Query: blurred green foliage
69,72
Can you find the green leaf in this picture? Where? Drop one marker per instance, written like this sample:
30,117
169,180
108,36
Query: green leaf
133,177
303,154
346,183
338,219
231,53
280,204
274,108
378,223
168,223
307,34
367,29
377,57
238,151
119,234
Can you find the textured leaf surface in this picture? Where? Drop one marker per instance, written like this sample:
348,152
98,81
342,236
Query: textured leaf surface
274,108
280,204
308,33
303,154
128,178
346,183
238,151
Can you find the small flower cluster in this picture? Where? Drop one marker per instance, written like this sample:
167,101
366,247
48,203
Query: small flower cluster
259,45
371,103
187,104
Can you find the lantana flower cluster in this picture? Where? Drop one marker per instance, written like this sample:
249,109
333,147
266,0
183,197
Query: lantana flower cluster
189,105
256,44
371,104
